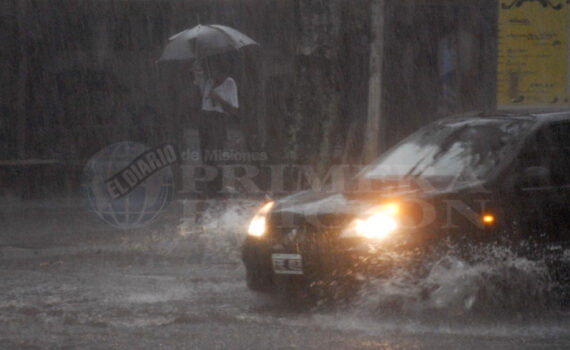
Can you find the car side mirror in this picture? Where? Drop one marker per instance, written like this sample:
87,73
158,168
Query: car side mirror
534,176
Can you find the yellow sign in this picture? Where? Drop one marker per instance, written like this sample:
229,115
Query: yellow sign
533,53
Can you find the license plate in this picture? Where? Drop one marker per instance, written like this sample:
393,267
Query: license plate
287,264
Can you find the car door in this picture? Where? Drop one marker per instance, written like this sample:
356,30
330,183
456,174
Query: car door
558,209
543,185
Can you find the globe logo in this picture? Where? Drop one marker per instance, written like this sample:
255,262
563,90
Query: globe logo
129,185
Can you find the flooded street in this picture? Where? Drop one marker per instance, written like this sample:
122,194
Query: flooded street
396,172
119,290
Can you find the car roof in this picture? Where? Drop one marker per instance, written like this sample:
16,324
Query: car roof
539,116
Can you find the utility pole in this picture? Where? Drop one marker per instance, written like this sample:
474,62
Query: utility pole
375,129
22,85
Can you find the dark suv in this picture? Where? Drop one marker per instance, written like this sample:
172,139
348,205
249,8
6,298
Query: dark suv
487,177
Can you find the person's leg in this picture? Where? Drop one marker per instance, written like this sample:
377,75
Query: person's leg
212,141
218,140
220,131
205,147
204,137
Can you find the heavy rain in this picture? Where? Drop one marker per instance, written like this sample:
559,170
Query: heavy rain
285,174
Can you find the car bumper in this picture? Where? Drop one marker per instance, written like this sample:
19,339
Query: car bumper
281,265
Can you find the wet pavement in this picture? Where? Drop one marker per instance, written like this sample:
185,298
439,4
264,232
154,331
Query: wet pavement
105,289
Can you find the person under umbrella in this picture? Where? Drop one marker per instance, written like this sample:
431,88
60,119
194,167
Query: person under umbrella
205,43
219,103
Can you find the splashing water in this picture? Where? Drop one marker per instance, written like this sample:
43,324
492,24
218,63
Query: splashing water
494,282
217,232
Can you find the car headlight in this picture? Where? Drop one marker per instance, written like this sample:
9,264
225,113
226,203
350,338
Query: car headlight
258,225
378,223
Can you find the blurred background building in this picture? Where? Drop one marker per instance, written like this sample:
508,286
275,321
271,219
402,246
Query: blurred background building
80,75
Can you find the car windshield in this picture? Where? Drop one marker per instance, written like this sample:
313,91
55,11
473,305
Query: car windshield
449,150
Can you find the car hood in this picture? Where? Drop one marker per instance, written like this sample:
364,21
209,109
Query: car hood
312,203
316,203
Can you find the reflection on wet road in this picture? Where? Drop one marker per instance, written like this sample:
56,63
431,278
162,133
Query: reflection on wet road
113,300
71,283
